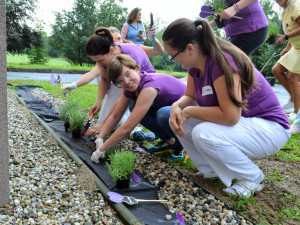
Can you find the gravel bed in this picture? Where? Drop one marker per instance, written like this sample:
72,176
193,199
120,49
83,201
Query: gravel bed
43,181
51,192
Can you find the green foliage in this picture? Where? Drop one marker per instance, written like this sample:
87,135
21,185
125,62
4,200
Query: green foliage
37,55
122,164
112,14
273,29
217,5
76,119
73,28
65,109
265,52
20,36
275,175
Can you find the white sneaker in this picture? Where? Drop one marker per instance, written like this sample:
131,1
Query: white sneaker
295,129
243,188
289,105
292,116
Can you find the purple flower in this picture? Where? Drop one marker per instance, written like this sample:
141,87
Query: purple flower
136,178
180,218
115,197
65,93
54,112
138,149
41,99
53,80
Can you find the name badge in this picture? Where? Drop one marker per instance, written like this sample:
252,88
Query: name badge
207,90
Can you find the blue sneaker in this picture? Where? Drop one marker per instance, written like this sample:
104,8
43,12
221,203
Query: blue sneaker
183,156
139,136
160,146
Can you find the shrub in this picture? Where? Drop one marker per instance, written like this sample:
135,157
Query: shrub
76,119
65,109
122,164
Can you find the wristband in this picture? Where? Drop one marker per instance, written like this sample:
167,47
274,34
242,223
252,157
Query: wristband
236,7
286,37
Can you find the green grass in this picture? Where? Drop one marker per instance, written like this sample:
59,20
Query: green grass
54,63
21,61
85,96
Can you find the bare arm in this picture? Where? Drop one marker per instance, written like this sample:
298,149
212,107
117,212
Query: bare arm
231,11
143,104
159,49
103,86
89,76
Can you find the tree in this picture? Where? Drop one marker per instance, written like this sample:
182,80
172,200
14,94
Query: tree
111,14
19,35
72,29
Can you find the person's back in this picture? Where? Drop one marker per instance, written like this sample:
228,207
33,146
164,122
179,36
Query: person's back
138,54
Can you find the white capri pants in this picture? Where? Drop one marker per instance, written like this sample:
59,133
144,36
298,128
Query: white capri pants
225,150
112,95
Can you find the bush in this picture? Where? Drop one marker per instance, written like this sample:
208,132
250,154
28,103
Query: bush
37,55
122,165
65,109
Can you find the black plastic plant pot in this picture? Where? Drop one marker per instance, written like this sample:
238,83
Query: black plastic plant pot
67,126
221,24
123,184
271,40
76,133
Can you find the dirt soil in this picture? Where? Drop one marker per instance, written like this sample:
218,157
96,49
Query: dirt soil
281,190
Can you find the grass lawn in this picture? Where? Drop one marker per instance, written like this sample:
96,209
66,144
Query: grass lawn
21,61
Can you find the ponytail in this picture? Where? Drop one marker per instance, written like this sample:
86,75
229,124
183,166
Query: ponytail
100,42
184,31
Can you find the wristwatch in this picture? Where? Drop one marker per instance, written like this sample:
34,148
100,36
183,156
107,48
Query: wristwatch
286,37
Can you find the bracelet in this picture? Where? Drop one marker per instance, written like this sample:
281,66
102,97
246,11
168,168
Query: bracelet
236,7
286,37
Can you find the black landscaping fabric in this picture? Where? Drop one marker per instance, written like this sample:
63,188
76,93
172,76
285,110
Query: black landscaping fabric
146,213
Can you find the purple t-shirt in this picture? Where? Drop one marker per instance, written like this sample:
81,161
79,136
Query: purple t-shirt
138,54
170,89
253,19
262,101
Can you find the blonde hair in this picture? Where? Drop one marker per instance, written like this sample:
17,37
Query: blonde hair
115,68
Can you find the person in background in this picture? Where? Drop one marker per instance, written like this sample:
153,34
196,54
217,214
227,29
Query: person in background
229,113
289,63
149,92
159,49
248,33
133,31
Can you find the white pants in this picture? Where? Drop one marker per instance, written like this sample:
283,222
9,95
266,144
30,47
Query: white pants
110,99
225,150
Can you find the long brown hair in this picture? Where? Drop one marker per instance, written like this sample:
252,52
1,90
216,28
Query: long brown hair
100,42
184,31
133,14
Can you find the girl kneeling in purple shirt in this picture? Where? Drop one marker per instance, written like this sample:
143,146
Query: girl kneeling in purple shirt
150,92
229,113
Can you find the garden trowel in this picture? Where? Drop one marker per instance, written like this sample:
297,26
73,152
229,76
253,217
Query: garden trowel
88,123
